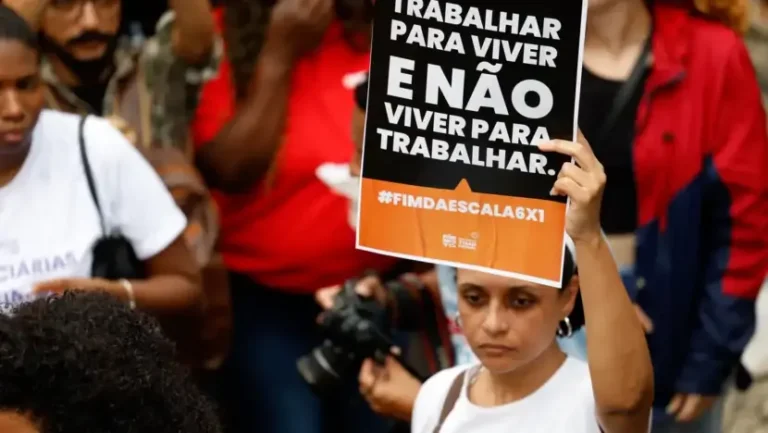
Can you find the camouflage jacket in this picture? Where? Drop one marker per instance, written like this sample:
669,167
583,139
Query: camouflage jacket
151,76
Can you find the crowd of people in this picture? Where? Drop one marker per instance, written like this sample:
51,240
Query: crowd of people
177,224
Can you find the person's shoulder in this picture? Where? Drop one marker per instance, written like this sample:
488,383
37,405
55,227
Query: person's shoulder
436,387
711,39
57,131
712,36
432,396
98,130
576,396
105,144
59,121
703,38
574,377
442,380
577,369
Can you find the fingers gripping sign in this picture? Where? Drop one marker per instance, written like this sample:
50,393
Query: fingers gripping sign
583,182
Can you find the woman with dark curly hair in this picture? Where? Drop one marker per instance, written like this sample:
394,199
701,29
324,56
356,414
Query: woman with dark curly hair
85,362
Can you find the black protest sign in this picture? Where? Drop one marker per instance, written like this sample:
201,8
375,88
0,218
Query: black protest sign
464,90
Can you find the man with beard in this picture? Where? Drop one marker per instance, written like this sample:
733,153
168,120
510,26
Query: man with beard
152,88
149,91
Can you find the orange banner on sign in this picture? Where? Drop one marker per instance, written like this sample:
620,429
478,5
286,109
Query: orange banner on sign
516,236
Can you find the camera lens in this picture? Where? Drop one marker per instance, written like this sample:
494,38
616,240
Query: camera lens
325,367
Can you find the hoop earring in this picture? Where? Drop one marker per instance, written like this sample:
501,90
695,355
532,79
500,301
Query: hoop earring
564,328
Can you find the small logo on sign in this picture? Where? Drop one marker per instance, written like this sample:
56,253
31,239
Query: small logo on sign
449,241
467,244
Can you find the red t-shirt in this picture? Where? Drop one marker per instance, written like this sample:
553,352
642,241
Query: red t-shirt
293,234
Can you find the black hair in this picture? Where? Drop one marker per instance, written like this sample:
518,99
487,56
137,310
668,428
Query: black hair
569,271
86,362
15,28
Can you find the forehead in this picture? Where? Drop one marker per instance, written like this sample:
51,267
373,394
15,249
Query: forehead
13,422
18,60
487,280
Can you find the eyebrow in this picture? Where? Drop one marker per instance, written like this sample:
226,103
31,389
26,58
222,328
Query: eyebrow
518,287
469,286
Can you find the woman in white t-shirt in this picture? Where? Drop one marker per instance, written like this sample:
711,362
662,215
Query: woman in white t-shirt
523,381
48,218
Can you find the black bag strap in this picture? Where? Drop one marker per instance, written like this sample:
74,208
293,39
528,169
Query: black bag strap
89,174
450,400
625,92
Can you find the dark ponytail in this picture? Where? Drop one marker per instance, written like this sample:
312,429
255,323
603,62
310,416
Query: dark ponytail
569,271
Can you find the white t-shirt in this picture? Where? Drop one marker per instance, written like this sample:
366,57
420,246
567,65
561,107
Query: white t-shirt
564,404
48,220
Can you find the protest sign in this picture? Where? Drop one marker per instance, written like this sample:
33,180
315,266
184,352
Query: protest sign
460,93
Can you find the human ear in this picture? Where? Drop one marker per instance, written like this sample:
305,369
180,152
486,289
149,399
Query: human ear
568,296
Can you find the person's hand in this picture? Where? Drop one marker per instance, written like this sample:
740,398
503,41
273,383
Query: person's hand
688,407
366,287
645,320
389,389
30,10
61,285
297,27
583,183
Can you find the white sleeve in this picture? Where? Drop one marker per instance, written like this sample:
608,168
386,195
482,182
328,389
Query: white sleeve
140,206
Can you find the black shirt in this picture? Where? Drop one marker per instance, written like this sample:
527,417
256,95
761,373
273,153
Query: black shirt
619,210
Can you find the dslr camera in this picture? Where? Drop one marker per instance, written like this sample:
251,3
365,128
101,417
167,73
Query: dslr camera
355,328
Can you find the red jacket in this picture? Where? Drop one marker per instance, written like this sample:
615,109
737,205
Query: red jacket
701,170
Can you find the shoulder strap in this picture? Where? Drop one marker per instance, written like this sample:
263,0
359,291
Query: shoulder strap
625,92
89,174
450,400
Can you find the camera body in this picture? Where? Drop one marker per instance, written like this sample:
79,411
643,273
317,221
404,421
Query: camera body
355,328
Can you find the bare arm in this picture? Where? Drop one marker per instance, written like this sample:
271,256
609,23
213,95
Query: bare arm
173,283
242,152
619,361
193,30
